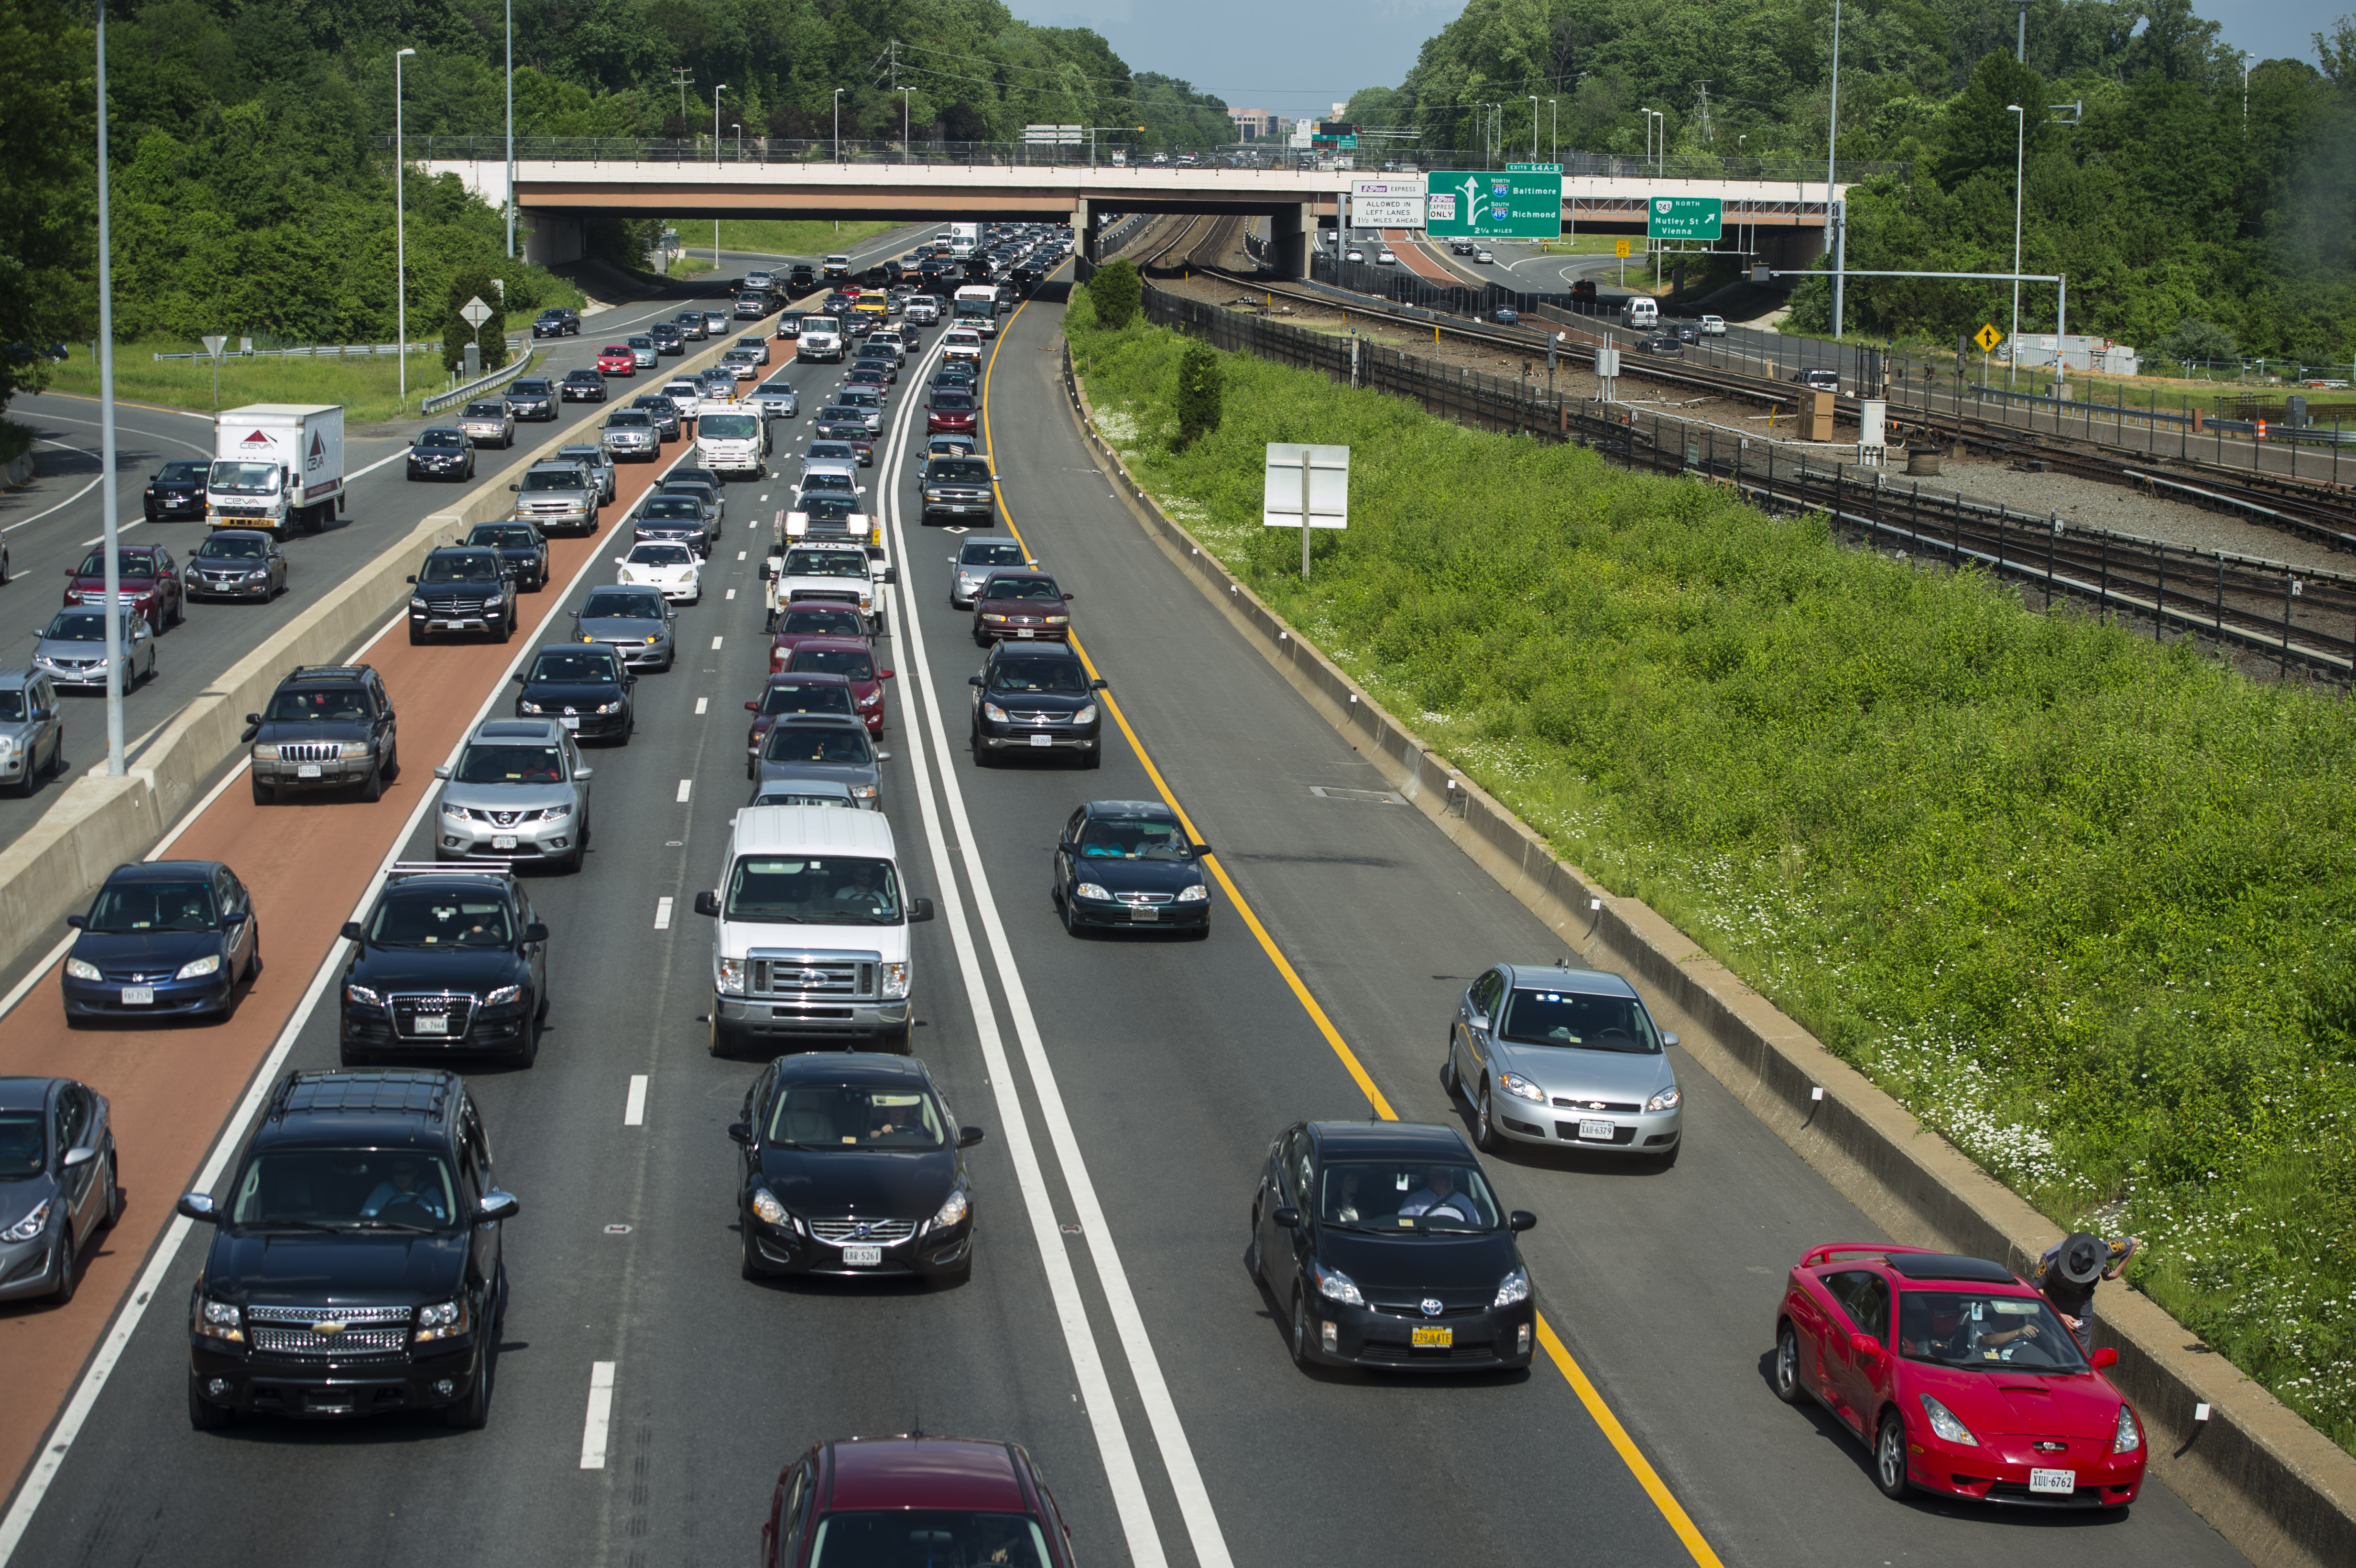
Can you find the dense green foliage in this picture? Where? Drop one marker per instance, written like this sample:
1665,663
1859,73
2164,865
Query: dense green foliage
2159,202
2082,902
490,339
1201,386
1118,292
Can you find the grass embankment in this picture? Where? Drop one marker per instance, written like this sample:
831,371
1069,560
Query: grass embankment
2081,902
812,238
368,388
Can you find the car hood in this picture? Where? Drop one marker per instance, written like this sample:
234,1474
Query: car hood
1998,1403
476,969
618,628
1578,1074
60,650
455,589
437,454
507,796
570,694
834,772
94,584
145,949
1138,876
1463,1271
299,1268
289,732
908,1184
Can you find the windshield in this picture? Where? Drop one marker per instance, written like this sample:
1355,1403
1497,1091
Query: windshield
991,552
830,509
823,623
835,890
819,324
11,705
815,743
799,797
461,569
686,507
583,669
319,702
153,906
857,398
610,607
76,626
962,470
1975,1328
127,563
1026,588
186,470
838,450
850,663
228,547
1590,1023
661,555
440,919
441,438
830,480
509,761
1385,1195
655,403
528,390
493,535
641,342
728,427
554,479
825,562
827,1116
629,419
1134,838
485,411
244,478
806,697
357,1189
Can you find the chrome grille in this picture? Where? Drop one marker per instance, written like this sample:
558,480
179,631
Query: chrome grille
409,1007
310,752
367,1331
1625,1107
1142,898
841,1233
1032,716
455,608
828,976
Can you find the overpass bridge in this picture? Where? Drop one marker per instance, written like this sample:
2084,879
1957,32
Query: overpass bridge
1774,213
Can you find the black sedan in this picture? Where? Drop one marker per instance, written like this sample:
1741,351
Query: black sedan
583,684
532,398
442,451
1662,346
1037,699
237,563
582,387
1130,863
176,490
521,547
447,961
852,1164
1384,1247
58,1188
667,337
557,321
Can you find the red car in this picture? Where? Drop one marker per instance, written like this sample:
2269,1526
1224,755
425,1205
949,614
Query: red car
1958,1376
853,658
1021,606
950,413
913,1500
615,360
147,577
807,622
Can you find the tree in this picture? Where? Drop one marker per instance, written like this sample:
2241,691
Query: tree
1200,385
48,191
473,281
1118,293
2195,340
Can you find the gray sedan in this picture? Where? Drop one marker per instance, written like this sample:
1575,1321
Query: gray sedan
32,735
72,649
633,621
57,1186
812,748
1547,1054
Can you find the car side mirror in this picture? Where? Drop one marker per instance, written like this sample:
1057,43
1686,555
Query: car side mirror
1099,684
1289,1217
707,903
582,775
1866,1345
973,680
891,576
535,932
198,1206
1478,1021
352,932
1521,1220
412,580
919,910
1067,599
75,1156
752,707
237,917
628,681
442,771
521,679
968,1136
740,1132
617,561
2104,1358
517,488
495,1206
1668,1039
253,719
1202,849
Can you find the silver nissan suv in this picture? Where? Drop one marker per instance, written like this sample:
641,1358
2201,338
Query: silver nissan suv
518,792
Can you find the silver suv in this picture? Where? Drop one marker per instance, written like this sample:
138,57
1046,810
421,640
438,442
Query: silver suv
630,432
517,792
601,467
558,496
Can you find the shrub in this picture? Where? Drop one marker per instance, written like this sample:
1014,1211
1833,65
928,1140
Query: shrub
1118,292
1199,388
471,283
2194,340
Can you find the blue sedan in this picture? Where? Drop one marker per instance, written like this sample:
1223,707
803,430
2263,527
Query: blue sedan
163,939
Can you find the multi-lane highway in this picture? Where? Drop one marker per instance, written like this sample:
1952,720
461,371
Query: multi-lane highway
1130,1086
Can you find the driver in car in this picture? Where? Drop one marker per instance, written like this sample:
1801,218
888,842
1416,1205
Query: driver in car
1438,1198
402,1187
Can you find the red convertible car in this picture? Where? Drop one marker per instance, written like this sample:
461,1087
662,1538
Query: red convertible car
1958,1375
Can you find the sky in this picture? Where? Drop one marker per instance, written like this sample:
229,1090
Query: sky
1305,56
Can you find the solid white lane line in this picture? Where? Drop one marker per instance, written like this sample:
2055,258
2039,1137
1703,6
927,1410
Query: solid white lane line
634,1108
662,914
702,703
599,1423
1137,1345
686,788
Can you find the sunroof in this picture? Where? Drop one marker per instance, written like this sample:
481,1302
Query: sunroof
1944,1266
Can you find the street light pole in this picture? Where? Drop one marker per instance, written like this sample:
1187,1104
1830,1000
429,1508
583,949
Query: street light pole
1533,127
2019,146
716,164
510,130
112,613
838,125
1835,213
400,237
1554,130
906,98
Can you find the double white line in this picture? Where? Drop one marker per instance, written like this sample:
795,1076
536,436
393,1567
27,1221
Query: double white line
1145,1549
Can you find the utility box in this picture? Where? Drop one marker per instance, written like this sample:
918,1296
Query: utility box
1816,416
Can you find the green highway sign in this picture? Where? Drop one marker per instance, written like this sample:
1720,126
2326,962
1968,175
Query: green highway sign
1684,218
1493,204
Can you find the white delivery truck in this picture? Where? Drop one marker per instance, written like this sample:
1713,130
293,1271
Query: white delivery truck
729,441
976,305
822,338
964,238
276,466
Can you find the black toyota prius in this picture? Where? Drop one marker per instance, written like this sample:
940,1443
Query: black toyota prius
1385,1246
851,1164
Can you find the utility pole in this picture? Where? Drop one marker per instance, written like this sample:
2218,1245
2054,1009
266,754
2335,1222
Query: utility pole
2020,44
2019,146
1533,127
716,164
1835,212
511,203
116,675
1708,139
679,77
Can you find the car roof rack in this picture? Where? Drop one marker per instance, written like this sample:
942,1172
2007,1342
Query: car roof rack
425,1091
482,867
328,672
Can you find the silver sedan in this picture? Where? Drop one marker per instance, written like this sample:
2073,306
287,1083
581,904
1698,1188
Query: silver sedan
1547,1054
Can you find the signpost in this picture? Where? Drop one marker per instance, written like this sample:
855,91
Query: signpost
1684,218
1394,201
1987,337
475,313
1521,201
1305,483
213,346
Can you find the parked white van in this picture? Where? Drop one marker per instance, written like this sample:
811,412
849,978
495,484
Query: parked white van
811,933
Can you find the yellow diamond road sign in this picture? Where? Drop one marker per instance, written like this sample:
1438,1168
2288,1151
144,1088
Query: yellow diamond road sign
1988,338
1622,247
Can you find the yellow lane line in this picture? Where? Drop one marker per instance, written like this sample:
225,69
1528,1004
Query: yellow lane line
1674,1512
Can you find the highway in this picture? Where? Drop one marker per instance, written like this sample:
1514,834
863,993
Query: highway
1129,1087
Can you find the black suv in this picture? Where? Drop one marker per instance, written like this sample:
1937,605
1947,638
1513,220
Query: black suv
1035,697
356,1265
582,387
447,961
327,727
959,488
523,547
801,275
557,321
463,588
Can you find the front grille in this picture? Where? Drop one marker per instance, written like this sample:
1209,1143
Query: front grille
1624,1108
407,1007
309,751
139,976
827,977
1476,1352
1413,1310
1568,1132
839,1233
366,1331
1142,898
1034,716
459,609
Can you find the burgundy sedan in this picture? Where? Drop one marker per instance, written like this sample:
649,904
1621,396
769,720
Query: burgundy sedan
913,1499
852,658
803,622
950,413
146,574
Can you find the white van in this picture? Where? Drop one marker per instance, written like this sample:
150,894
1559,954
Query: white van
961,342
810,932
1641,310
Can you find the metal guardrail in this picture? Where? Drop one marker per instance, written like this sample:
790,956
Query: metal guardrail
509,372
321,350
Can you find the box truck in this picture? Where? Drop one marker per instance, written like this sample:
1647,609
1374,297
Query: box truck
964,238
276,466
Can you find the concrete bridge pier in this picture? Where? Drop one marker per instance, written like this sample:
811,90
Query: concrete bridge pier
1085,229
1290,231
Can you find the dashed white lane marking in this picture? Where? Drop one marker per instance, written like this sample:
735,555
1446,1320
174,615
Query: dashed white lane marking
729,595
716,641
686,788
740,555
634,1109
601,1415
662,909
702,703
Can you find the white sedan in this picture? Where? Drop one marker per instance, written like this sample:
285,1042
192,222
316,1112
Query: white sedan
672,567
1383,257
1485,255
1354,254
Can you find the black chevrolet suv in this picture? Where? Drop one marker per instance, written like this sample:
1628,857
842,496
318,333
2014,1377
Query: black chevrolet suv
355,1265
327,727
449,961
463,588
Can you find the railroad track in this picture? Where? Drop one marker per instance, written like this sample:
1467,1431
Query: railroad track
1207,233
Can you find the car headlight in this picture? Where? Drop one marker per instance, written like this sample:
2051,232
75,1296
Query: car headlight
1056,620
502,993
492,599
765,1206
730,976
265,754
554,813
362,997
1521,1088
197,969
1667,1099
31,1225
954,1210
896,981
1335,1286
1092,890
876,700
990,710
83,970
863,792
628,576
217,1321
417,602
991,615
1516,1286
351,751
1194,895
1943,1423
443,1320
2127,1436
652,638
527,707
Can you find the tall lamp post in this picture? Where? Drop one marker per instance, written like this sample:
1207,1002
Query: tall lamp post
1533,127
511,130
716,164
113,613
400,237
1835,213
906,98
2019,145
838,125
1554,129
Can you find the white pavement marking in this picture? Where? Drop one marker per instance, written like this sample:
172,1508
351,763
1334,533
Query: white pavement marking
729,595
702,703
686,788
715,642
662,914
740,555
600,1420
634,1109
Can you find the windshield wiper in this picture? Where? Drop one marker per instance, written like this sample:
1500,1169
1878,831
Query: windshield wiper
372,1223
288,1224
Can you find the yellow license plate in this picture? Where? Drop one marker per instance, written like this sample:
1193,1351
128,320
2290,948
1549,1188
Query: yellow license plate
1432,1338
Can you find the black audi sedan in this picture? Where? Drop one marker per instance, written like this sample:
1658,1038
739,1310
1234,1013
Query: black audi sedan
532,398
447,961
851,1164
1130,863
583,685
442,451
581,387
176,490
1383,1245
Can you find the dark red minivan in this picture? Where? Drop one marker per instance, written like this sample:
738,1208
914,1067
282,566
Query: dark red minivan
913,1499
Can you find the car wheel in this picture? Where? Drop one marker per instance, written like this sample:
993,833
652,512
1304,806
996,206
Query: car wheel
1251,1250
897,1041
470,1413
416,635
203,1414
67,1283
1302,1354
1889,1458
752,1267
390,766
265,795
983,757
527,1052
1093,758
1484,1124
721,1041
1788,1387
57,755
115,1200
372,787
504,628
1668,1161
1448,1067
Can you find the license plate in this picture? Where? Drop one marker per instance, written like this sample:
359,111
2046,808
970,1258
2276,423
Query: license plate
1431,1338
572,720
306,769
864,1257
1025,632
138,996
1041,739
1599,1130
430,1024
2053,1483
1142,912
503,841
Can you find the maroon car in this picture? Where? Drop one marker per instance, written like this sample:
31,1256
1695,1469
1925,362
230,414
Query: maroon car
949,411
852,658
1021,606
913,1500
786,696
800,622
148,577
